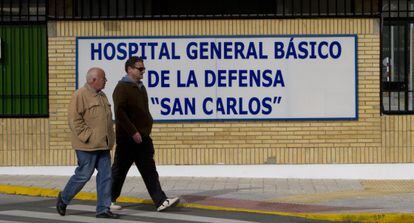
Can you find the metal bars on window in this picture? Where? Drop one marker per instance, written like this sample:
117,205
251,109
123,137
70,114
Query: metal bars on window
397,76
397,9
152,9
22,11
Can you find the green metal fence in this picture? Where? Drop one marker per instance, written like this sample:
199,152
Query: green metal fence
23,71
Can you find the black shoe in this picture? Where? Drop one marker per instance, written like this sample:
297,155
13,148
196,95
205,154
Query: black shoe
108,214
60,206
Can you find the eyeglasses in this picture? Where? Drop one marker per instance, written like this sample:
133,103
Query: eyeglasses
140,68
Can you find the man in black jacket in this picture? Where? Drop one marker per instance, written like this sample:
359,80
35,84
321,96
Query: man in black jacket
133,129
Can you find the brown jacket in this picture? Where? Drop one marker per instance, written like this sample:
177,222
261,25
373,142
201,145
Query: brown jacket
90,120
131,110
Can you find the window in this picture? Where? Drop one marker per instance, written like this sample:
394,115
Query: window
396,57
98,9
397,8
12,11
117,9
23,71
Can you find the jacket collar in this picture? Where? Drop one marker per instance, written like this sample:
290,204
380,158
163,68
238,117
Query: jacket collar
126,79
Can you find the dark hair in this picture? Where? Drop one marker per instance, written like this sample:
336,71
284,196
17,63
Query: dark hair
131,62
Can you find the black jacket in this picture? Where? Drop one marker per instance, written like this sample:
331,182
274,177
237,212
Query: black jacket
131,110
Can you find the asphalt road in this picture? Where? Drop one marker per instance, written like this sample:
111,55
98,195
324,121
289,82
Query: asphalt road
17,209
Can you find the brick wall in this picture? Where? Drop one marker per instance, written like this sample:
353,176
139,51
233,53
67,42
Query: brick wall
368,140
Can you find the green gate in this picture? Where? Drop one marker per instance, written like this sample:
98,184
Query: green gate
23,71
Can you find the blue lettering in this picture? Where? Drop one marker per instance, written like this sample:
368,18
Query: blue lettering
152,46
122,53
303,51
109,47
242,111
338,51
231,105
132,49
227,50
97,50
153,78
143,55
251,51
165,106
220,106
221,79
205,109
279,79
279,52
232,77
261,52
203,50
254,78
164,52
238,50
291,51
178,107
215,50
179,83
312,55
165,78
243,78
191,53
209,82
191,79
174,55
321,55
267,78
267,106
254,106
190,106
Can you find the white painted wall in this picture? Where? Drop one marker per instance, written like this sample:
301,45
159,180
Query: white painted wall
323,171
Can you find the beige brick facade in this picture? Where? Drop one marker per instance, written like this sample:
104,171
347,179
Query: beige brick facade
371,139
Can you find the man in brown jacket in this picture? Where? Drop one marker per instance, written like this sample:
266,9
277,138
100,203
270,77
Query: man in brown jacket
90,120
133,129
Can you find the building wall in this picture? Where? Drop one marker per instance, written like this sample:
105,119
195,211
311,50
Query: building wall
24,142
371,139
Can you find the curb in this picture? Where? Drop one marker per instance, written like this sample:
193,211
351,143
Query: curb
352,217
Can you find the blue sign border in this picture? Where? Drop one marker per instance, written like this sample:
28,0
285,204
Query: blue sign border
355,118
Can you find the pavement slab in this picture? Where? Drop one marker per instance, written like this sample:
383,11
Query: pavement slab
338,200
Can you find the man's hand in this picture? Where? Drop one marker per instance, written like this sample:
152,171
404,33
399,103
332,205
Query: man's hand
137,138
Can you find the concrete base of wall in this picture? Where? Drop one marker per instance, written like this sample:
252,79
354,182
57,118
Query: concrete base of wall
323,171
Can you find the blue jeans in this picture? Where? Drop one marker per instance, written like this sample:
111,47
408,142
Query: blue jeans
87,163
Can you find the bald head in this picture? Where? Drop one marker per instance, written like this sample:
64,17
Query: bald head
93,74
96,78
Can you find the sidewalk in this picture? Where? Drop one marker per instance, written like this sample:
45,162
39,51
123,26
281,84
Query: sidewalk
350,200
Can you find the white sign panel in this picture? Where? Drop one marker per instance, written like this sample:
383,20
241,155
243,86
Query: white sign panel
234,77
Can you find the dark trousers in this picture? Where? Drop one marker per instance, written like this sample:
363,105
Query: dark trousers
143,155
